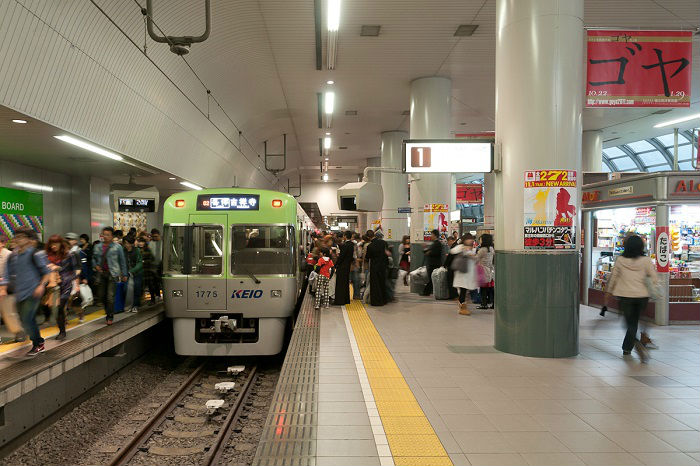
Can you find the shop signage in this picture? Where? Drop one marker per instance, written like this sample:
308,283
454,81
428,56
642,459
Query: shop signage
20,208
686,187
550,209
645,215
591,196
435,218
662,249
470,193
447,156
404,210
638,68
621,191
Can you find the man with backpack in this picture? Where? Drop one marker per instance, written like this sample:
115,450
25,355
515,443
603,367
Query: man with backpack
26,274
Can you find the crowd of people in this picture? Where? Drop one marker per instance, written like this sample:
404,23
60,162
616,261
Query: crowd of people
38,279
367,262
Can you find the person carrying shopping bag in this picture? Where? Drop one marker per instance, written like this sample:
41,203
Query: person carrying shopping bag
63,283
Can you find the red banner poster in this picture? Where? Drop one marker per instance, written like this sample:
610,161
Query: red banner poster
470,193
638,68
663,249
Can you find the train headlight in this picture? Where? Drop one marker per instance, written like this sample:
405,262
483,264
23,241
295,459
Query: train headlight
178,294
276,293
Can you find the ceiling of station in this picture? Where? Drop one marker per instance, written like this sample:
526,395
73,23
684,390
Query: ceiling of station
260,65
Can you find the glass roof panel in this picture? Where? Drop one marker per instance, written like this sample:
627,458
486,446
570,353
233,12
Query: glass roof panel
685,166
652,158
625,163
613,151
667,139
639,146
683,152
659,168
606,169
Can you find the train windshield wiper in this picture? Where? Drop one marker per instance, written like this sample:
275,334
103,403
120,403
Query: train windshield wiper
250,274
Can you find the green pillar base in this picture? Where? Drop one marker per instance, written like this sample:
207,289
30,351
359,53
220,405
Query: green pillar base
537,303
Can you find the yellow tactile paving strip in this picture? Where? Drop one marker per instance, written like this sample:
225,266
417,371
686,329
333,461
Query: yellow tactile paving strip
48,332
411,438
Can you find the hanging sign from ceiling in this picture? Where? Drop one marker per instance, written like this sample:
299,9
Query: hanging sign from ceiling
470,193
447,156
638,68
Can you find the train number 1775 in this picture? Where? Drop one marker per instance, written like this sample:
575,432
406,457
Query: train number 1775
206,293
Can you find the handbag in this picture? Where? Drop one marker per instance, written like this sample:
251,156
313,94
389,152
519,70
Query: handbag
86,296
460,263
481,277
393,273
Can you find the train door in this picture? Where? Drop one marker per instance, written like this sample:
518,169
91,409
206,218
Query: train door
206,282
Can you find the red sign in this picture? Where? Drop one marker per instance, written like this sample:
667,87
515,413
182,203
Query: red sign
591,196
470,193
687,188
663,249
638,68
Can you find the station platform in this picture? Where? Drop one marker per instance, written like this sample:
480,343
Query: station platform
414,383
32,388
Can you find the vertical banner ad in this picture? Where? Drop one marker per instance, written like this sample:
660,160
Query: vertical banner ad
638,68
663,249
20,208
435,217
550,209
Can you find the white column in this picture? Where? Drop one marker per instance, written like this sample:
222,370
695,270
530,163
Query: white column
539,68
373,177
395,186
431,118
592,151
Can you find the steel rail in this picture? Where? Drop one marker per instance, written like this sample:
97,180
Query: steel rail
127,452
226,430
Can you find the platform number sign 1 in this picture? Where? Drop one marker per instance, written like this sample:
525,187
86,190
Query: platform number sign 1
662,249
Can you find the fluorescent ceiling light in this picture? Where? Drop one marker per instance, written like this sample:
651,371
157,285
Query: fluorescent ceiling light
191,185
171,178
91,147
17,120
34,187
333,19
329,102
678,120
325,177
327,159
328,134
330,81
327,143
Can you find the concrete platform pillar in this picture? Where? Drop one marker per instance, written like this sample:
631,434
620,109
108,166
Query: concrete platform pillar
431,118
539,96
395,186
592,151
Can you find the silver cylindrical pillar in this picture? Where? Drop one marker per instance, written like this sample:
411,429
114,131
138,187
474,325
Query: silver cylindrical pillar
489,195
431,118
587,253
373,176
661,305
395,186
592,151
539,98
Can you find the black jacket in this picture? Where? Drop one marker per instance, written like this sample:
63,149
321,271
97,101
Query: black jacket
433,254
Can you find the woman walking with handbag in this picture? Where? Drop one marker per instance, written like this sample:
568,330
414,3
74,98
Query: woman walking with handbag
485,271
631,280
64,279
463,266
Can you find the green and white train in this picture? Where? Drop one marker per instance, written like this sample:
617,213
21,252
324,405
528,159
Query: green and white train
232,269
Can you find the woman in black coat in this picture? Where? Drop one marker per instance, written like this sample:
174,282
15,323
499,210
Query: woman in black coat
378,263
342,270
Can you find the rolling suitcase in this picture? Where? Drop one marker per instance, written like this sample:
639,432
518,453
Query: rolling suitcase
418,279
441,289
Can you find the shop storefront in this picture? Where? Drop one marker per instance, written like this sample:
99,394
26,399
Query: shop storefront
662,208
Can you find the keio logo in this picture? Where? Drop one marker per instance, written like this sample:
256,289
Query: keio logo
247,294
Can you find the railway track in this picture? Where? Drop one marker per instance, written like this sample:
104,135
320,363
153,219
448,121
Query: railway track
183,429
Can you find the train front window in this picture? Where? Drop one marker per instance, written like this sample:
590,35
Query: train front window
262,250
194,250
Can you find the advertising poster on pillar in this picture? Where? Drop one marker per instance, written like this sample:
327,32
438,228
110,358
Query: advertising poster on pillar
638,68
435,217
20,208
550,209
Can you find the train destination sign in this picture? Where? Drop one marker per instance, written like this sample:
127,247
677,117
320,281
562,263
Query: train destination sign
228,202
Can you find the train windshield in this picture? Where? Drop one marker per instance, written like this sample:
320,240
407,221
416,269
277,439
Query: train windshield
193,250
263,250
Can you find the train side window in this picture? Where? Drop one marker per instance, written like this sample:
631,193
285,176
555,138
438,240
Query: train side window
263,250
174,250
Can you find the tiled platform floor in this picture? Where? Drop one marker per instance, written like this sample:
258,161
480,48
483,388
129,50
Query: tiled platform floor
496,408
